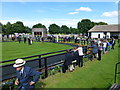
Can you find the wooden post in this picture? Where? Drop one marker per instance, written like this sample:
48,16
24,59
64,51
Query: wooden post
40,61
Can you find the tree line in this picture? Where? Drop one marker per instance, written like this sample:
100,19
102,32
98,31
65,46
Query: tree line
82,27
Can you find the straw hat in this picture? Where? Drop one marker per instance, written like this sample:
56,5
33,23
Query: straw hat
19,62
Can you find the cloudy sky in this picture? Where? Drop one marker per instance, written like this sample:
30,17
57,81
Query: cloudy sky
60,13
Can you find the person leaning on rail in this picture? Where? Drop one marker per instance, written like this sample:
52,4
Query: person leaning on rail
67,65
26,76
80,51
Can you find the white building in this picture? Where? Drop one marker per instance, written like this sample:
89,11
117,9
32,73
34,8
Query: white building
39,32
101,31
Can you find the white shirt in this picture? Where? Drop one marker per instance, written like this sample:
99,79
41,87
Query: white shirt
104,44
80,51
21,72
99,42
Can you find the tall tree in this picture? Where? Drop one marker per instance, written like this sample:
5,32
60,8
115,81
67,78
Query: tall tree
1,26
7,29
74,30
18,27
85,25
27,30
54,29
39,25
65,29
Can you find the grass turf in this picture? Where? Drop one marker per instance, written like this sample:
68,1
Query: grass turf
12,50
94,74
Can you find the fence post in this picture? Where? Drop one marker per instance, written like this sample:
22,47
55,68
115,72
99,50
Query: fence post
46,68
40,61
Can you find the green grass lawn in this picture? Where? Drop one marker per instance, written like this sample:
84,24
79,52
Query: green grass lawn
94,74
13,50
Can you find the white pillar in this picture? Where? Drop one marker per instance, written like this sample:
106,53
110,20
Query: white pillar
33,34
42,34
108,33
57,37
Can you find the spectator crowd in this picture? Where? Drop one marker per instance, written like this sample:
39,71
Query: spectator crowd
91,48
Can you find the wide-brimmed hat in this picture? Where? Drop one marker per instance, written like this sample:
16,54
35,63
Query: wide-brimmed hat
19,62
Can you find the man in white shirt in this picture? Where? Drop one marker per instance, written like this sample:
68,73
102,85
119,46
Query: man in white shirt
80,51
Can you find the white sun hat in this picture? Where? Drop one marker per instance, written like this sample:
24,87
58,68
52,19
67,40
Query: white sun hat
19,62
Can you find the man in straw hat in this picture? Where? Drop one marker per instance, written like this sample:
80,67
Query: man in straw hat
25,80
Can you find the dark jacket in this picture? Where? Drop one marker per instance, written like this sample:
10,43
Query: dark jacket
94,49
76,55
68,59
28,75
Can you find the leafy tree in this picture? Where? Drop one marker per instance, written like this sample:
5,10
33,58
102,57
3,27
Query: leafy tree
74,30
85,25
39,25
65,29
7,29
3,29
18,27
102,23
27,30
1,26
54,29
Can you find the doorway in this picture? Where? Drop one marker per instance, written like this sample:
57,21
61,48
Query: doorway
98,35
